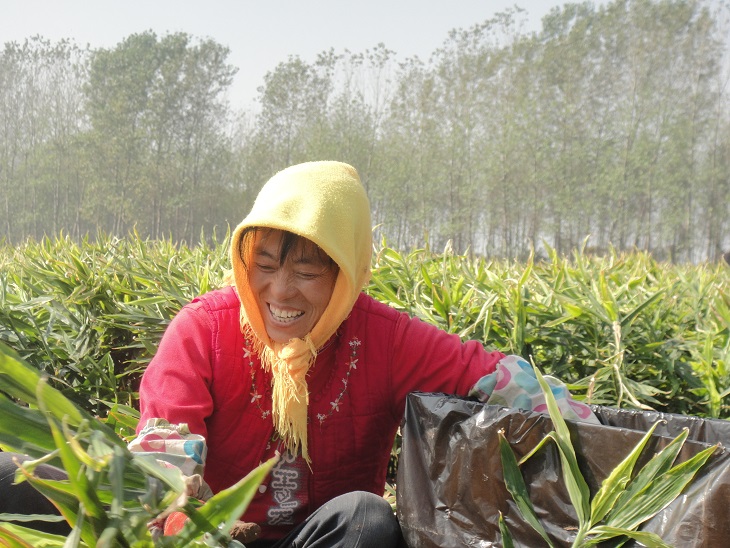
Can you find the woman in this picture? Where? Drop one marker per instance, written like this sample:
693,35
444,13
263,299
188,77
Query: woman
294,359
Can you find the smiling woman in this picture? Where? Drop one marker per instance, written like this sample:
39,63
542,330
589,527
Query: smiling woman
293,363
294,359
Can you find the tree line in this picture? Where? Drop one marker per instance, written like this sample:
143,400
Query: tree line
609,127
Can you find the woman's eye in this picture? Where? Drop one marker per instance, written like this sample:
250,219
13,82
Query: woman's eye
265,268
307,275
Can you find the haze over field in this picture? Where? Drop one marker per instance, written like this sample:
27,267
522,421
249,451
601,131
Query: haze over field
492,131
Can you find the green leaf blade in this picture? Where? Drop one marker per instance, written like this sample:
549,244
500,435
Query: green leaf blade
613,486
515,484
574,481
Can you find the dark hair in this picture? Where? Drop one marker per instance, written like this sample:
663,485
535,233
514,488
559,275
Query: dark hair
289,243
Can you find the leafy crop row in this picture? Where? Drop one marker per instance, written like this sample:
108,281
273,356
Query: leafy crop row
621,330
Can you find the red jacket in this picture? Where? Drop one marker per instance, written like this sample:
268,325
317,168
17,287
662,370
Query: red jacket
358,385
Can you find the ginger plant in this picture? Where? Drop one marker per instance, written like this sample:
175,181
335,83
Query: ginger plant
624,500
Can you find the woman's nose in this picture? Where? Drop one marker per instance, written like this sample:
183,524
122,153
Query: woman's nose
281,285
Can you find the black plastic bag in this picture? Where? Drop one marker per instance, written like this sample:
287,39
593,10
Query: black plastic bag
450,489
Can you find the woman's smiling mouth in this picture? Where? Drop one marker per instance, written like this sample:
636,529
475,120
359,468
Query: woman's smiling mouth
284,316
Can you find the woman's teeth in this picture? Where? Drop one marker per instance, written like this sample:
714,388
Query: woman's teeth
284,315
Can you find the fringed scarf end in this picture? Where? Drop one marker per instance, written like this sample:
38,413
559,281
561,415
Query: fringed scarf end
288,364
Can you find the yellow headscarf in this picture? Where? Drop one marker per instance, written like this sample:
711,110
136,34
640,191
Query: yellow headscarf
325,203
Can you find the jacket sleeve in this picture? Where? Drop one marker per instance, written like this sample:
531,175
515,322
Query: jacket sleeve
428,359
176,385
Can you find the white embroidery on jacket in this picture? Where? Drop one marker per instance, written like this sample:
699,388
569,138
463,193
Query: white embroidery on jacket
257,397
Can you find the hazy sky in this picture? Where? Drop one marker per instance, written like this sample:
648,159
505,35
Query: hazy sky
261,33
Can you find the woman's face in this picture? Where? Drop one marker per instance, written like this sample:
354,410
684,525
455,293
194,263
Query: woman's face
291,295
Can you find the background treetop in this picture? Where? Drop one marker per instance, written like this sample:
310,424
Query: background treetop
609,122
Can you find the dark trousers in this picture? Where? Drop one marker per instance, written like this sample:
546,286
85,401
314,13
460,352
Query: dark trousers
22,498
356,519
352,520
